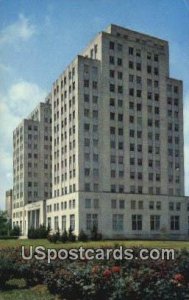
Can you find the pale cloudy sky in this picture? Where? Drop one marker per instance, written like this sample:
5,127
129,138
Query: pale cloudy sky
39,38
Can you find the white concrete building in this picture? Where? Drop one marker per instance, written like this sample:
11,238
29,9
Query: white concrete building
117,141
8,203
32,162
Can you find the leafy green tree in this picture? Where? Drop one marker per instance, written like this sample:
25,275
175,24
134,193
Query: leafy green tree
15,231
71,235
4,223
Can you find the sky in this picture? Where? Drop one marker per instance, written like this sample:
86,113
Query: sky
38,39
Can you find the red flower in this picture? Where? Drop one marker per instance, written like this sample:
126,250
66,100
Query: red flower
107,273
178,277
116,269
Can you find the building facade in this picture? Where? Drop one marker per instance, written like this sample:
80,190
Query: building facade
8,203
32,162
117,141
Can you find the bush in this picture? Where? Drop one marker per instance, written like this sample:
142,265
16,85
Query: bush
8,237
71,236
64,236
38,233
95,235
15,231
82,236
53,238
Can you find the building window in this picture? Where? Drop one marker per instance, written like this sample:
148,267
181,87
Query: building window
131,50
49,222
120,103
86,98
112,87
171,205
112,102
119,47
56,221
113,173
119,75
113,203
91,221
149,69
154,222
174,222
112,73
151,205
87,187
111,60
120,89
96,203
119,62
86,83
133,204
121,204
72,222
113,188
131,64
131,92
63,223
131,78
136,222
156,58
111,45
178,206
87,203
117,222
95,85
140,204
138,66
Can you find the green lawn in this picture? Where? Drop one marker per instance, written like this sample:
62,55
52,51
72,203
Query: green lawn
47,244
16,289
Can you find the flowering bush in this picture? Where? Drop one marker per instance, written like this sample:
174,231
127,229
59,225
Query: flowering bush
102,280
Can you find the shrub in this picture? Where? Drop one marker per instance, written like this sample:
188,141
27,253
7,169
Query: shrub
38,233
71,236
64,236
53,238
95,235
15,231
8,237
82,236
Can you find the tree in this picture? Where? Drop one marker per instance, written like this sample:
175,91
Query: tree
15,231
71,236
4,223
95,235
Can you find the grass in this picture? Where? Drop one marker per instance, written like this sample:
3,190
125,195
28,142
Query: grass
90,244
16,289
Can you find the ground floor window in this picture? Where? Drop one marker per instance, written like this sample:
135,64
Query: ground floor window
117,222
49,222
154,222
56,225
136,222
91,221
72,222
175,223
63,223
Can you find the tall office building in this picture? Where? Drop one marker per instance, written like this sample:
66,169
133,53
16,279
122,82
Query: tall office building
8,204
117,140
32,162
